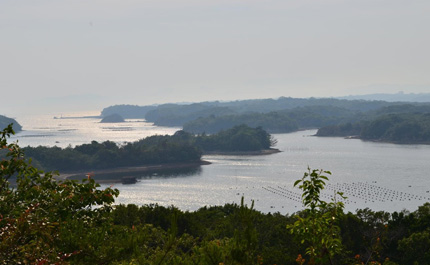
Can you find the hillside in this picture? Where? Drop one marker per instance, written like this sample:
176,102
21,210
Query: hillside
280,115
5,121
395,127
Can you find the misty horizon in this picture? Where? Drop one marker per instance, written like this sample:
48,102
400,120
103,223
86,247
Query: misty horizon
92,103
153,52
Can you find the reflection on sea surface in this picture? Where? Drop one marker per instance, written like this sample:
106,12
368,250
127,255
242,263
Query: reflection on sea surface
380,176
171,173
73,130
115,175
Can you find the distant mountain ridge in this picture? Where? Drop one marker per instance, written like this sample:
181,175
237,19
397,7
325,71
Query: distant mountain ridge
397,97
398,121
284,114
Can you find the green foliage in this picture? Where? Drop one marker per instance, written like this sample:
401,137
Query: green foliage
416,248
45,221
318,227
238,138
401,128
273,122
274,115
374,233
34,211
177,115
233,234
245,237
398,124
158,149
182,147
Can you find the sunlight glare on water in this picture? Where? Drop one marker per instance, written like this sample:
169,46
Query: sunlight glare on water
380,176
47,131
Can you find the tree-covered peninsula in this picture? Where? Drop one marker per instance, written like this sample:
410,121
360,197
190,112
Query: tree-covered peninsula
403,124
396,122
241,138
158,149
5,121
112,118
127,111
273,115
182,147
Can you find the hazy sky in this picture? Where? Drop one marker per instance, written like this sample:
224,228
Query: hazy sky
93,53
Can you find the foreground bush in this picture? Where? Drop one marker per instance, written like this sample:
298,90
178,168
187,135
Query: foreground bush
45,221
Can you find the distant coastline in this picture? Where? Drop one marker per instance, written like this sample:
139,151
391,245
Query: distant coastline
357,137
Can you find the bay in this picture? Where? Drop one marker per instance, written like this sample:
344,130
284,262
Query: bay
380,176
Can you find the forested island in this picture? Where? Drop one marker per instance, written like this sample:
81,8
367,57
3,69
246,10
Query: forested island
180,149
396,122
45,221
405,124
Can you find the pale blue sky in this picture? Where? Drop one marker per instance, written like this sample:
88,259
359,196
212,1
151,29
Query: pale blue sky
94,53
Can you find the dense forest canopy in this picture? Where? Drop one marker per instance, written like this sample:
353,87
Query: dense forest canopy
402,128
274,115
177,115
272,122
190,111
238,138
398,109
407,124
150,150
396,122
44,221
284,121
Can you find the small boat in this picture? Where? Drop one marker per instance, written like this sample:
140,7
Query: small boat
128,180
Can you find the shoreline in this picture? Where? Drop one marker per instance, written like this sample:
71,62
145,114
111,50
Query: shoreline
244,153
113,175
357,137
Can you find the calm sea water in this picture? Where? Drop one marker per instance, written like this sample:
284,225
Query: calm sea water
380,176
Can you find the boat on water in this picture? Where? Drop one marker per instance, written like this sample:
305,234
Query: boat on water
128,180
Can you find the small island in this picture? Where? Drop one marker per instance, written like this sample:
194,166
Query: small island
239,140
113,118
180,151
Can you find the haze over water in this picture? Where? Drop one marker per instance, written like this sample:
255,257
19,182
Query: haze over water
380,176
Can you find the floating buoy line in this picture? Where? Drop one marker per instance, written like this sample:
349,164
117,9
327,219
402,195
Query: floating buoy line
355,192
